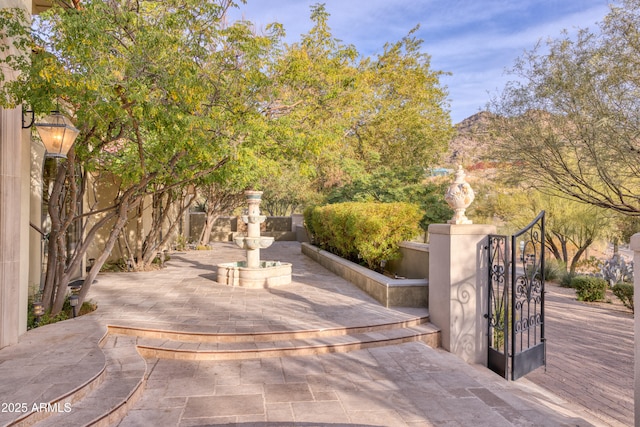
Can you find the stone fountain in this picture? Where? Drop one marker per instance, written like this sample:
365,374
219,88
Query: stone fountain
254,273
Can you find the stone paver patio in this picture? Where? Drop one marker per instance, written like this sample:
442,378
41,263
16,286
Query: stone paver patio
401,385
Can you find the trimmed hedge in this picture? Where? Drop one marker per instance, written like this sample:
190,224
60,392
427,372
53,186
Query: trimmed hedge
589,288
369,232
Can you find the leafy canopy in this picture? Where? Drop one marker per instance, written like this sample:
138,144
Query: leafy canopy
571,121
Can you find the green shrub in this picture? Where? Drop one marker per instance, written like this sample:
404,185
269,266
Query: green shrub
357,231
114,266
589,288
181,243
160,260
565,279
66,313
624,292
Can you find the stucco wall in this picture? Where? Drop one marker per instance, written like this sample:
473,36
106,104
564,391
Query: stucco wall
226,227
14,211
413,262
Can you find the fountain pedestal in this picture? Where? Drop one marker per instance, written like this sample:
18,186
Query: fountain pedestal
254,273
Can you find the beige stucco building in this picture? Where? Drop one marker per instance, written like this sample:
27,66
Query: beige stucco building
21,161
21,176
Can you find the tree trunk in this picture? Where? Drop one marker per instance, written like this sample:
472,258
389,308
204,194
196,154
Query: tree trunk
54,292
121,222
163,225
210,219
137,257
218,200
551,244
577,256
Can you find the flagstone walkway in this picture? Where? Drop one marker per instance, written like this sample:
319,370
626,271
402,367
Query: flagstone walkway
589,356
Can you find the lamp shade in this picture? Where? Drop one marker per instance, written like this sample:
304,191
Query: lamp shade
57,134
73,300
38,309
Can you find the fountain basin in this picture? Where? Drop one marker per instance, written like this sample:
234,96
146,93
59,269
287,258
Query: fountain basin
270,273
252,243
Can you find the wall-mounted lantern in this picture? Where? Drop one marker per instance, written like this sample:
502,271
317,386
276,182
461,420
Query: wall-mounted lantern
57,134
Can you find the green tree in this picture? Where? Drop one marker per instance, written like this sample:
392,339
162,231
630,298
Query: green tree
312,91
387,185
163,93
288,188
356,115
401,118
570,226
570,123
166,93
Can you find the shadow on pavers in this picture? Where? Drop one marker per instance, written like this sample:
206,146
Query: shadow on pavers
288,424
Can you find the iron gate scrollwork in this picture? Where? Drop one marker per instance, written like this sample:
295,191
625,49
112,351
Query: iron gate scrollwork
516,301
498,304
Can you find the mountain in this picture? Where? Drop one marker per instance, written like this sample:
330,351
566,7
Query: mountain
471,143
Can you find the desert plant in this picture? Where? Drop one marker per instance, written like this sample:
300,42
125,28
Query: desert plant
181,243
589,288
554,269
616,270
624,292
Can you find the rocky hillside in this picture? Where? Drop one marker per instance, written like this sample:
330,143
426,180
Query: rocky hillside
470,146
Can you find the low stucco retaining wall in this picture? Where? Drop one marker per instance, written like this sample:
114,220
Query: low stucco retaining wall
413,262
387,291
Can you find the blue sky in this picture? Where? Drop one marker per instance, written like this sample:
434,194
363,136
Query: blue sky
475,40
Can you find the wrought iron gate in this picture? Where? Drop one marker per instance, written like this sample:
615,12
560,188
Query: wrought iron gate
516,301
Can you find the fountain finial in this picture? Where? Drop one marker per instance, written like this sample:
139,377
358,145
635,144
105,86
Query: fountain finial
253,242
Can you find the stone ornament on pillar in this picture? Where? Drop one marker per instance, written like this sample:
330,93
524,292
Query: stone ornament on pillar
459,196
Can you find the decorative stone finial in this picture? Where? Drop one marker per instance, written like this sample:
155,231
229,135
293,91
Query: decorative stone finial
459,196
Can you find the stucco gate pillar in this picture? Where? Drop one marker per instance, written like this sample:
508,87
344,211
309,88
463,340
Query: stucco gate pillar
458,277
458,288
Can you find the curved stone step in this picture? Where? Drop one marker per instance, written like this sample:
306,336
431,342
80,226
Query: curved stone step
425,332
109,402
209,337
49,404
